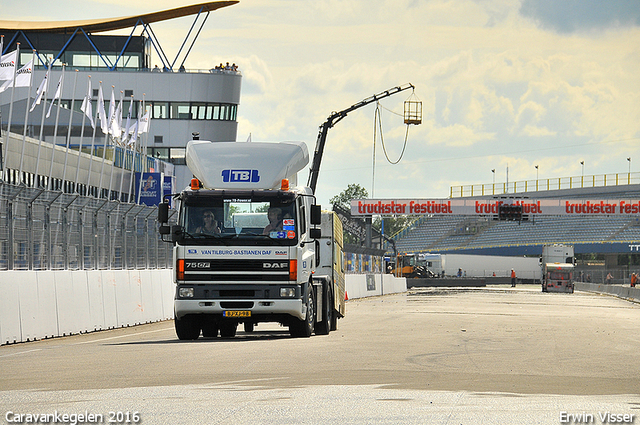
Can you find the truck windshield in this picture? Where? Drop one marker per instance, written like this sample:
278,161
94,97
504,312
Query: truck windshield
225,220
559,275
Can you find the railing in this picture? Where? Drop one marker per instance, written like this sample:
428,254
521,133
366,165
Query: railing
51,230
599,180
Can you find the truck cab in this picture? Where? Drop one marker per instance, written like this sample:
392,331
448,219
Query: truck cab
558,277
246,243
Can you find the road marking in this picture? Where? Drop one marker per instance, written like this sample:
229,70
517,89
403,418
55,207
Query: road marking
120,336
21,352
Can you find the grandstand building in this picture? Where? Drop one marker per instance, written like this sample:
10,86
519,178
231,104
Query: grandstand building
180,101
615,239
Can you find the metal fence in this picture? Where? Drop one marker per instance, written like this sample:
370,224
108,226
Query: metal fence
51,230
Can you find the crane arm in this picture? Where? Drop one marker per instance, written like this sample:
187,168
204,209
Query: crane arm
333,119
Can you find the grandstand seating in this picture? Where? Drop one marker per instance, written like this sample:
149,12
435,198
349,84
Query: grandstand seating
446,234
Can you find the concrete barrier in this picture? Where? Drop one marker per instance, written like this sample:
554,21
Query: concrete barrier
619,291
44,304
370,285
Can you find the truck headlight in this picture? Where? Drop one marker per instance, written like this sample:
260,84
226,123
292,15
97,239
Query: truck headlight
185,292
287,292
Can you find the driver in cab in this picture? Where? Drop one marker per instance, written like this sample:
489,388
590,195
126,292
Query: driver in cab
275,221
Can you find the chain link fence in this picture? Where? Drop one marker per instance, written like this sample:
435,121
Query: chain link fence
51,230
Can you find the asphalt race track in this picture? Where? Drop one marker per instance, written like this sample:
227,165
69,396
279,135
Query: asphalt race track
494,355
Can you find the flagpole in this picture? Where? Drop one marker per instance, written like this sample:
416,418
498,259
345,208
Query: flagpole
13,88
134,137
84,117
44,104
117,118
126,148
55,128
144,150
93,139
106,138
66,153
26,115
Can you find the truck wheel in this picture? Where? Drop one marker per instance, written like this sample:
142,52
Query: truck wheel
228,329
323,327
187,328
304,328
210,329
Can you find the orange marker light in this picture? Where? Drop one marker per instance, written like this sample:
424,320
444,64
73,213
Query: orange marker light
285,184
293,269
195,184
180,270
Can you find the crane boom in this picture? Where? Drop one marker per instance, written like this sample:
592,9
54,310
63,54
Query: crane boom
333,119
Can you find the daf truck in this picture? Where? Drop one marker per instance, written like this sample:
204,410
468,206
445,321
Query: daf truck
558,264
252,246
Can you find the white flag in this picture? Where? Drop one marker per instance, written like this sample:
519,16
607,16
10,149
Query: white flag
126,127
86,106
104,124
144,123
23,77
56,95
7,65
134,133
115,121
40,92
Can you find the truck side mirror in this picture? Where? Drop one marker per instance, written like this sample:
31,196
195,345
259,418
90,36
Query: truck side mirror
163,212
316,214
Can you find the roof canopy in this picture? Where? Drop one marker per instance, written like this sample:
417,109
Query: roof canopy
110,24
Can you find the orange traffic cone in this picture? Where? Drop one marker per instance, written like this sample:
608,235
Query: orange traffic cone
346,297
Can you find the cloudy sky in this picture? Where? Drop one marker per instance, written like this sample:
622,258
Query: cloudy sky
503,83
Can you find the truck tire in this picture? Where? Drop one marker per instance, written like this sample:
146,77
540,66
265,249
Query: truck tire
228,329
304,328
187,328
210,329
323,327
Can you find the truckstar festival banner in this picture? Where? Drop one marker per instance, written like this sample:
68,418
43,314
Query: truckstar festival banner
364,207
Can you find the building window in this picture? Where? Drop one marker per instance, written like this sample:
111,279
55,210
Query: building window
157,139
160,110
128,93
177,156
193,111
159,153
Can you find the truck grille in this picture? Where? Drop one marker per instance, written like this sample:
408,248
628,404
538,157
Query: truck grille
236,270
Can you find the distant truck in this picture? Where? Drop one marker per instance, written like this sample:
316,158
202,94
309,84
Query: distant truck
558,265
247,248
481,266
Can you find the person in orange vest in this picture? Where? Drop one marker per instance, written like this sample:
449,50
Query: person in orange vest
634,280
513,278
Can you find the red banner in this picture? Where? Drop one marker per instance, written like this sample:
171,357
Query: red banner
489,207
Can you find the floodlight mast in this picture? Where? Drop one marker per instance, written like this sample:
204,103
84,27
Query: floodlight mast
333,119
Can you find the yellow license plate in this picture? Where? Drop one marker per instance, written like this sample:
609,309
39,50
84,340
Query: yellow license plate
237,313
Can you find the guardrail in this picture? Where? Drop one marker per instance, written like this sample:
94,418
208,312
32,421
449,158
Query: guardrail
52,230
599,180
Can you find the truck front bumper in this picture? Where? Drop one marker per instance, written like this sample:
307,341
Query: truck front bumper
258,308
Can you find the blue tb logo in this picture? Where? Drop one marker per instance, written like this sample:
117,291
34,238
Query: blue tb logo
240,176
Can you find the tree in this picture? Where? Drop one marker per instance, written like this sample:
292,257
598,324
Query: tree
353,191
343,199
393,224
